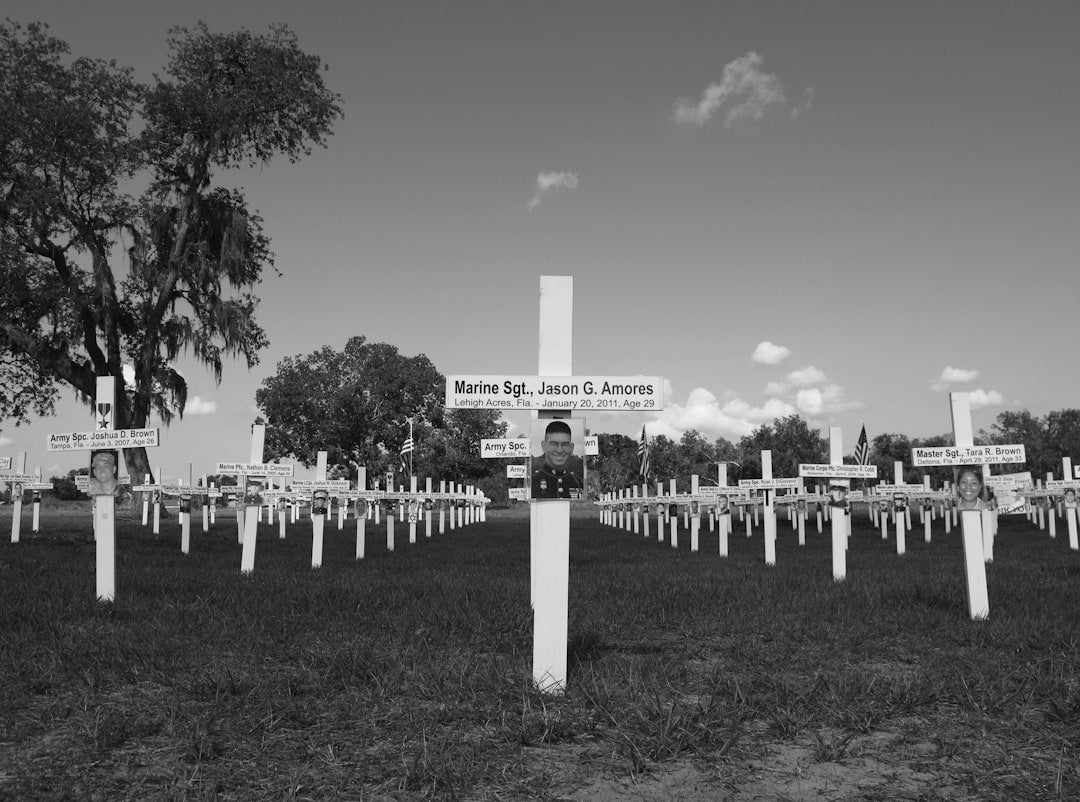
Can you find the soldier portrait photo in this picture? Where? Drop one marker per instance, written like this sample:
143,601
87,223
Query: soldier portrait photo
556,471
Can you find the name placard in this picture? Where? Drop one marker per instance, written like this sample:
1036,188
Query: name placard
967,455
516,472
495,449
605,393
313,484
254,469
1062,484
819,471
38,485
768,484
905,488
103,438
20,477
516,493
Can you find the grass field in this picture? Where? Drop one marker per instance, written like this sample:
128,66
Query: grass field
407,675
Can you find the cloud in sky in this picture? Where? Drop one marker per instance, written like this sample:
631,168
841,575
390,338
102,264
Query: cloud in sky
812,393
199,406
745,93
704,412
978,399
768,354
5,441
951,375
547,183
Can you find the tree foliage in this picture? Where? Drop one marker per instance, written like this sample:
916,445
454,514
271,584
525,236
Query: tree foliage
69,153
356,405
791,442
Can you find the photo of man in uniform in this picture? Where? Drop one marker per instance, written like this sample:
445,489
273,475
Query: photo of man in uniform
560,475
723,505
838,496
103,477
319,503
253,491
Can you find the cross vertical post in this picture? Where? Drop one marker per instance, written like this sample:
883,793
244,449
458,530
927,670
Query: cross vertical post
970,520
16,512
105,505
899,516
318,521
251,513
838,515
723,522
550,519
768,495
695,514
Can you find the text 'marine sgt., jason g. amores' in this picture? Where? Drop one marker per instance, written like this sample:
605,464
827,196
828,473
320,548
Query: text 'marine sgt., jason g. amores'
555,392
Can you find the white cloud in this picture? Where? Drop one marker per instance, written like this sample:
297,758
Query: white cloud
775,388
546,183
768,354
804,377
5,441
978,399
199,406
744,92
951,375
704,412
828,400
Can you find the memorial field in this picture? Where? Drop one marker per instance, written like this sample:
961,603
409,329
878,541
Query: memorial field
408,675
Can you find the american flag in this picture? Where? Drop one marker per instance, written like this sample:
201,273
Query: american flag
408,445
643,453
862,449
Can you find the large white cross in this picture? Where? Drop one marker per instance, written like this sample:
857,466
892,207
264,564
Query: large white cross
104,435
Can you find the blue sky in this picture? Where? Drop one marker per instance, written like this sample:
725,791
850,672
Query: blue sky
840,209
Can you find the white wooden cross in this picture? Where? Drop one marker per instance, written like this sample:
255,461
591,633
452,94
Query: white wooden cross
18,478
976,525
104,436
550,518
839,475
247,509
36,486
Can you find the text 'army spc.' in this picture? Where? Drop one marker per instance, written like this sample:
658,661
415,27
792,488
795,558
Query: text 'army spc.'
561,475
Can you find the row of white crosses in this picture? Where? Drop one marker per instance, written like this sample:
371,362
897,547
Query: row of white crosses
753,493
1052,498
20,482
467,502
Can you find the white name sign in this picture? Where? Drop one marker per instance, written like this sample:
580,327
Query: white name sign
907,489
20,477
764,484
967,455
611,393
818,471
254,469
491,449
1062,484
38,486
517,493
516,472
103,438
312,484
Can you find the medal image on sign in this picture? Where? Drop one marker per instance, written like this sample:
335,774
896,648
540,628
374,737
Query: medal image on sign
556,464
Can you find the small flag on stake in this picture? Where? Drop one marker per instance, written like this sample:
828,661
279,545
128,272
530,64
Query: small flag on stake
643,452
862,449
